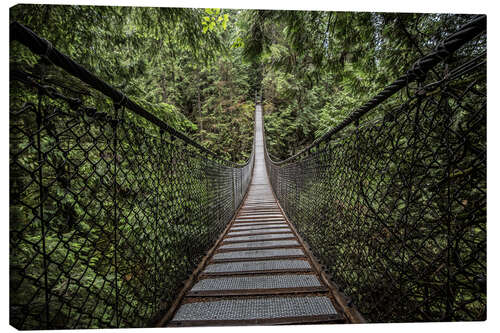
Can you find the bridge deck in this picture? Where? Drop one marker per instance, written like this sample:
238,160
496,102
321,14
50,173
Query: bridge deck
260,273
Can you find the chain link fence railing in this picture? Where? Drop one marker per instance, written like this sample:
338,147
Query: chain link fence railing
110,208
395,206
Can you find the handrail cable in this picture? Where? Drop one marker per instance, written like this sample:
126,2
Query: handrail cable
43,47
395,207
419,69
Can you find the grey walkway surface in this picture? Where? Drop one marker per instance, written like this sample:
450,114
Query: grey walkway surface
260,273
265,265
259,254
257,227
258,282
259,308
260,237
262,244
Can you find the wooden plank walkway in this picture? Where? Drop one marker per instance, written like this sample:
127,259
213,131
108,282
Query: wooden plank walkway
260,271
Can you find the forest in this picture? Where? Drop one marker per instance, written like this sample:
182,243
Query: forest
201,71
200,68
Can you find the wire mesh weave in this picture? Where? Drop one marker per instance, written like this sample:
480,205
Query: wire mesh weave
395,208
109,212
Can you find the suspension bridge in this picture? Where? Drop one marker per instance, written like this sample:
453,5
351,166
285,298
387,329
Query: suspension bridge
119,220
260,254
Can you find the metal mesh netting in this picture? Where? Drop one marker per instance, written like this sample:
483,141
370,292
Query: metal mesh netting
395,208
109,212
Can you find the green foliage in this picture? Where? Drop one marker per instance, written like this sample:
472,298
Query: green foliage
214,19
163,58
198,70
164,61
319,66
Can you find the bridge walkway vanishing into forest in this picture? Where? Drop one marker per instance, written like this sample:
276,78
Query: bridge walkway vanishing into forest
120,220
260,271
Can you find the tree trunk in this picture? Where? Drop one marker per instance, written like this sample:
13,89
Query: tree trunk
200,119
